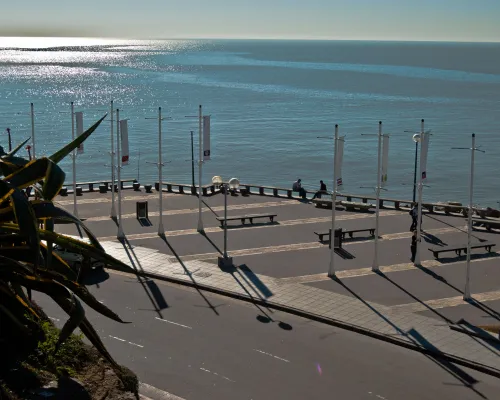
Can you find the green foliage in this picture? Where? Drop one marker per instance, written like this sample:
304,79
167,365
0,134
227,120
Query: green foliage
68,357
27,260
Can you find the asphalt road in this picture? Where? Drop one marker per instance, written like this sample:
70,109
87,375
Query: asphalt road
203,346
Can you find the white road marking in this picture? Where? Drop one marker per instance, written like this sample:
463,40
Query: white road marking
135,344
446,302
215,373
175,323
117,338
271,355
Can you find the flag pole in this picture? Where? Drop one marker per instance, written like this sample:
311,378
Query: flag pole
375,266
75,210
200,163
331,268
120,235
112,154
420,187
469,220
32,129
161,231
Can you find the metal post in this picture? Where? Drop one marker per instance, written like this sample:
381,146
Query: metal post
161,231
192,159
415,172
331,268
33,129
420,187
375,266
10,139
226,187
75,210
120,235
112,154
469,222
200,163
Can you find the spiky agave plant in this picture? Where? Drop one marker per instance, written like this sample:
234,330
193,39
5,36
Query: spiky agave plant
27,260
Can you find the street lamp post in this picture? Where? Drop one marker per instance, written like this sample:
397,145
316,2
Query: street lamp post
233,183
472,149
416,139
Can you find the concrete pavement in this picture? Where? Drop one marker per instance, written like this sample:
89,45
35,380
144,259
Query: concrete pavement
288,253
199,345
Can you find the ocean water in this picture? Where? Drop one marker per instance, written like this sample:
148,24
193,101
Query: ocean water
269,101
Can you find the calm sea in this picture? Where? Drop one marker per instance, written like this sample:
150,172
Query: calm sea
269,101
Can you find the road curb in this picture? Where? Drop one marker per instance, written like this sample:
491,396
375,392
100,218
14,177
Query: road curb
328,321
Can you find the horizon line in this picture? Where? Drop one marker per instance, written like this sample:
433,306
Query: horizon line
326,39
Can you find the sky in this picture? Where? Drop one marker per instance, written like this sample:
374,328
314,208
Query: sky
419,20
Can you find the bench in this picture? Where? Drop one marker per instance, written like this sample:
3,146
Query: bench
458,249
349,232
352,206
487,223
250,217
325,203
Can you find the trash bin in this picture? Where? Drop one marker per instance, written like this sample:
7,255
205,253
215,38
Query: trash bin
142,210
337,241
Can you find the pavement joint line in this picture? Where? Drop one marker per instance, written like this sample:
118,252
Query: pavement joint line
298,246
205,210
272,355
446,302
174,323
355,273
216,229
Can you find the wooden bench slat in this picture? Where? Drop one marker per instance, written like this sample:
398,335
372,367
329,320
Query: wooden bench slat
250,217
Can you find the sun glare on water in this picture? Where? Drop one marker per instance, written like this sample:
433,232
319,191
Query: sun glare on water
46,42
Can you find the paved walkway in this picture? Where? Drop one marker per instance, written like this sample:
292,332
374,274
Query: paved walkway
397,325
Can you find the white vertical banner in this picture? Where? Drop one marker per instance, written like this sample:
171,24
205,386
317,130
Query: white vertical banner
385,159
423,154
338,160
206,137
124,141
79,129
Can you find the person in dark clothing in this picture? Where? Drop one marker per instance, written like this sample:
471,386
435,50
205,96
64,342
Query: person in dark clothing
297,187
322,190
413,246
414,217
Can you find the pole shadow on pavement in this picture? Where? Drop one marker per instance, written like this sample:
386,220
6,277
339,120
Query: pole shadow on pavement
190,274
150,288
418,340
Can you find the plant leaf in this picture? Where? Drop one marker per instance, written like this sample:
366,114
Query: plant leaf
47,209
83,293
73,244
25,217
76,316
36,170
16,149
87,330
59,155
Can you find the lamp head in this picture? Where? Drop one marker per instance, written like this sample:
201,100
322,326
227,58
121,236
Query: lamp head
234,183
217,180
416,137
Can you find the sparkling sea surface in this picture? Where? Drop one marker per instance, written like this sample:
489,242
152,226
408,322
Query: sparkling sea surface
269,101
